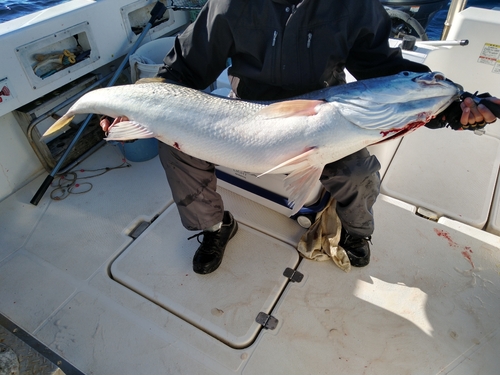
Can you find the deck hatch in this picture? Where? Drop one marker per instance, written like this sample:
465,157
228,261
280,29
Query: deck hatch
224,304
440,180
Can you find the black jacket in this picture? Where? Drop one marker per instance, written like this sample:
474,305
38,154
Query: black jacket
279,49
283,48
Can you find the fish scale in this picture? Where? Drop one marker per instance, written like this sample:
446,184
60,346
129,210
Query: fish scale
297,136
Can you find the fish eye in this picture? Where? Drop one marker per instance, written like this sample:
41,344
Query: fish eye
439,76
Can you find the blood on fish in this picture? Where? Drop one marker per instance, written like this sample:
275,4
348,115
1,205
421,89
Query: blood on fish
176,145
408,128
404,130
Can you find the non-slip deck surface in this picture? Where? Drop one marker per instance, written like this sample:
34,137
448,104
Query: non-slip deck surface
428,303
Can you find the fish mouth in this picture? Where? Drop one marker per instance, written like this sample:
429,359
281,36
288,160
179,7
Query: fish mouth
439,79
432,78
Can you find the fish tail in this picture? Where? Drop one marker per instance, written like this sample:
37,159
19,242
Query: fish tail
58,127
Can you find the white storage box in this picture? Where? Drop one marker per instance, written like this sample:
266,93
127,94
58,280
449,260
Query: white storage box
268,190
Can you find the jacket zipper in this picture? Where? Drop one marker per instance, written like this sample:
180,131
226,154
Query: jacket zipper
275,35
309,38
275,56
309,55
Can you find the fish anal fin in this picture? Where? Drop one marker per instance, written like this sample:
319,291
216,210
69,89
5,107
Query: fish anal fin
128,130
301,158
301,181
300,184
290,108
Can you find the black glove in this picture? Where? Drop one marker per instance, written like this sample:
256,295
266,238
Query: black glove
450,117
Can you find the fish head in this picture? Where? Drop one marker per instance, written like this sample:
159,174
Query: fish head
421,93
396,101
435,85
401,88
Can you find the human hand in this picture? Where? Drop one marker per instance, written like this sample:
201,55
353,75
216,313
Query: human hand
476,115
106,122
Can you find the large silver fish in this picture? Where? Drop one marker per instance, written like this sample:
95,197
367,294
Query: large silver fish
297,137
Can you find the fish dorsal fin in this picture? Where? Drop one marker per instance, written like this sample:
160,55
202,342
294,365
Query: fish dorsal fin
128,130
151,80
290,108
301,181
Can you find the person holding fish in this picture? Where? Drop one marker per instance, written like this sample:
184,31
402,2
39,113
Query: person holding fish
280,49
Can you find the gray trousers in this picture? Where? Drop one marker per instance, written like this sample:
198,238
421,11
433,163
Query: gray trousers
353,181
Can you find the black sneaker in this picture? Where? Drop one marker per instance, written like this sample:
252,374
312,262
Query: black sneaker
209,255
356,247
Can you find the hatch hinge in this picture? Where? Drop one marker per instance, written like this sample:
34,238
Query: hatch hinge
427,214
293,275
139,229
267,321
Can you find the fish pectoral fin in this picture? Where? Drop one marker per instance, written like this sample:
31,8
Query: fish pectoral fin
291,108
128,130
293,161
300,184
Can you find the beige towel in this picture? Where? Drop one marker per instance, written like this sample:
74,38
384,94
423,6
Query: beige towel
321,241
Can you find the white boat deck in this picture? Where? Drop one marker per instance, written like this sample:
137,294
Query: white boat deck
428,303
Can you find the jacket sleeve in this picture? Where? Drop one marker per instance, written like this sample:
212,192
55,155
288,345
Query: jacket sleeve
194,61
370,55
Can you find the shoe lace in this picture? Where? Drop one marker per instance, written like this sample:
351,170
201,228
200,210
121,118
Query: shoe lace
197,235
208,245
